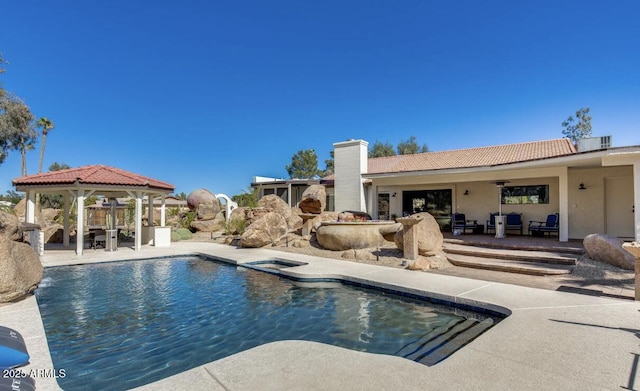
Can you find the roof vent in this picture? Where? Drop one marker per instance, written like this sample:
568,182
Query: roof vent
594,143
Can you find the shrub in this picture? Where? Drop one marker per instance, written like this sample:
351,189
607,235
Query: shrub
235,226
175,236
184,233
188,218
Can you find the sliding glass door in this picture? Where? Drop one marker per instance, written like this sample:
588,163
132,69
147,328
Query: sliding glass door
436,202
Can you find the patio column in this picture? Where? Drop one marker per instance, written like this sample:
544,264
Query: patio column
563,204
163,210
138,228
636,203
150,211
30,207
80,223
65,235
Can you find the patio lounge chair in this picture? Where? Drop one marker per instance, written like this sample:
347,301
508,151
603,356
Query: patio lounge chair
514,222
459,221
539,228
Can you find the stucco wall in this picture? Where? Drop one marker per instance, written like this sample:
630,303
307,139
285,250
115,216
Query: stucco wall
587,207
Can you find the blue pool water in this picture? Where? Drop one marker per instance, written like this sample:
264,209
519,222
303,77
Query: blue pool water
121,325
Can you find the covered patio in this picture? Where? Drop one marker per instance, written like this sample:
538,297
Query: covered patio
77,184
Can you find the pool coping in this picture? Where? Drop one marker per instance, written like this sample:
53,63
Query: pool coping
549,340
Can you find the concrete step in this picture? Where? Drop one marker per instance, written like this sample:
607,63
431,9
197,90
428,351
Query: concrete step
525,243
510,265
546,257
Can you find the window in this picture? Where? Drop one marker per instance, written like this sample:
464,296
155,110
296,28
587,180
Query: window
538,194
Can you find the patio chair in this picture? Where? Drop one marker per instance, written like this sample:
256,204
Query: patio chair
459,221
539,228
491,223
98,238
514,222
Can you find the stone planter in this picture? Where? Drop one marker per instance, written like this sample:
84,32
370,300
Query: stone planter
346,235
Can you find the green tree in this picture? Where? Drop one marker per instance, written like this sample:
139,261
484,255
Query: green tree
410,146
55,166
380,149
46,125
12,196
248,198
16,124
578,127
182,196
329,165
304,165
55,201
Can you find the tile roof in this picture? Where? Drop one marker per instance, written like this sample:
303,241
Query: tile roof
468,158
472,157
92,175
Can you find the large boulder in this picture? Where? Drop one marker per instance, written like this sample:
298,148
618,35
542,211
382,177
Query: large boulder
267,230
205,203
339,236
10,225
609,250
210,225
314,199
276,204
430,240
20,269
53,233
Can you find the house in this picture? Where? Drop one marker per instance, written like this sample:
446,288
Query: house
290,190
593,186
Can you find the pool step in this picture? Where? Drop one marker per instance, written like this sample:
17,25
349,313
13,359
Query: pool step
443,341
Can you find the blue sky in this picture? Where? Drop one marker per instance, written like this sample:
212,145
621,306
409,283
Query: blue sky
208,94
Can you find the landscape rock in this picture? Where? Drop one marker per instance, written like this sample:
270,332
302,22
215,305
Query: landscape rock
267,230
205,203
53,233
340,236
430,240
435,262
276,204
212,225
359,254
314,199
10,225
20,269
609,250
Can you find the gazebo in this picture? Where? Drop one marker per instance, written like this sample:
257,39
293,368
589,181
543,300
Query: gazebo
109,182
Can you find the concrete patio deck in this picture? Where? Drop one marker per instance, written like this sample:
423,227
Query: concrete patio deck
551,340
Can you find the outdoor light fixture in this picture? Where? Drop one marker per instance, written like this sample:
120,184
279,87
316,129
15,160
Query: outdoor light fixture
582,187
466,192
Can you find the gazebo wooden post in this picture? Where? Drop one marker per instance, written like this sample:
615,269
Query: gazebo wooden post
80,223
163,214
150,211
65,236
138,238
30,207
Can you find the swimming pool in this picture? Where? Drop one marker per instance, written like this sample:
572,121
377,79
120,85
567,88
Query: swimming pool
124,324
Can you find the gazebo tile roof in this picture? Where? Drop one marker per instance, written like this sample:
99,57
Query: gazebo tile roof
92,175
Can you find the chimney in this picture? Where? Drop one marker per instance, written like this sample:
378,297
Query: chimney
350,159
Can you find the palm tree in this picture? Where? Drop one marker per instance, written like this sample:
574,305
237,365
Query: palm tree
46,124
